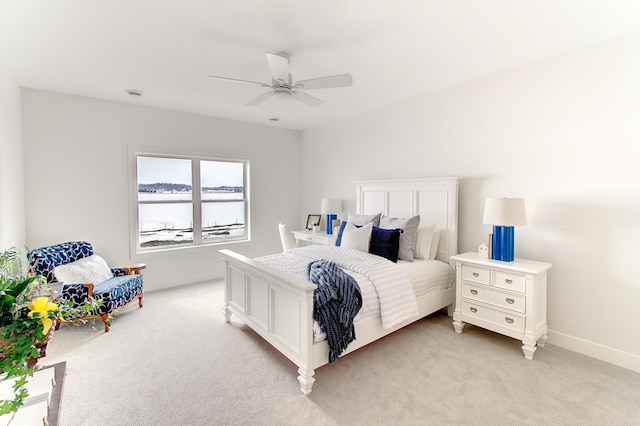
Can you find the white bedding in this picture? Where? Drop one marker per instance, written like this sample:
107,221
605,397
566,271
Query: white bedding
388,290
428,276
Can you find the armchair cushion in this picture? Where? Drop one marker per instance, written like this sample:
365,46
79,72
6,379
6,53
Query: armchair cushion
90,269
117,292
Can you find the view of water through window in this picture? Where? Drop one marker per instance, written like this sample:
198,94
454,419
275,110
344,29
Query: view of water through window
167,203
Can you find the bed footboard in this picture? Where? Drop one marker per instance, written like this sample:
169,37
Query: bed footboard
275,305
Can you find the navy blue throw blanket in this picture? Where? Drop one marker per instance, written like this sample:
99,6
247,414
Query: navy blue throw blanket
336,301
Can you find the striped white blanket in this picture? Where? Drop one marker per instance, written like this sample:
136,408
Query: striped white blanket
395,293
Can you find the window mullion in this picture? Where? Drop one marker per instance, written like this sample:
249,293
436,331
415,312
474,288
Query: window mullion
197,203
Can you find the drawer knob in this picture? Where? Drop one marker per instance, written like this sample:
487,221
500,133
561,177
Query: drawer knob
474,292
510,301
508,281
474,310
475,274
509,320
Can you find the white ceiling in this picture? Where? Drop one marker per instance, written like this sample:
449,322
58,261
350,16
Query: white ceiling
394,49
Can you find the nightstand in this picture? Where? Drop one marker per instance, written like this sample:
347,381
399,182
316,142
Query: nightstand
509,298
314,237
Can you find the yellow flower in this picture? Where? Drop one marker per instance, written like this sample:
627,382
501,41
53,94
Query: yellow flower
42,306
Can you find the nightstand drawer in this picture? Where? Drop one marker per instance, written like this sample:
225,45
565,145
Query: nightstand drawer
494,316
476,275
503,300
511,282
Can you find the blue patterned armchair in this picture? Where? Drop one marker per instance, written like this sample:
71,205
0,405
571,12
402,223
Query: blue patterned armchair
115,292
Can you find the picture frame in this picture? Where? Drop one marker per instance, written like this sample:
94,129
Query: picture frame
312,219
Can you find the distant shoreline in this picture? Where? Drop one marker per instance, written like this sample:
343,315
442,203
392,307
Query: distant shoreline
170,237
208,228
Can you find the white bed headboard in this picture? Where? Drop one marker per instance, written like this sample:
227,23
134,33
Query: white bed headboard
434,199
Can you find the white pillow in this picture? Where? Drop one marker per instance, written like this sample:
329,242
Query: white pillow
435,242
423,241
363,219
91,269
356,238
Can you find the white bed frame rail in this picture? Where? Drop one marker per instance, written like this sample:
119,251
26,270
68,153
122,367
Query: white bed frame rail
279,307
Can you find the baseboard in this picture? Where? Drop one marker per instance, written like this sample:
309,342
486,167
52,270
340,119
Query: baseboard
184,284
595,350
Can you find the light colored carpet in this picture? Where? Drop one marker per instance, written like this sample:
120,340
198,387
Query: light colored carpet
176,362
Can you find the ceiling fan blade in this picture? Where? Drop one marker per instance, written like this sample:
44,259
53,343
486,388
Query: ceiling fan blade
260,99
279,66
306,99
238,80
341,80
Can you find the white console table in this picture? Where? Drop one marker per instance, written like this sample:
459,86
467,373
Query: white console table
311,237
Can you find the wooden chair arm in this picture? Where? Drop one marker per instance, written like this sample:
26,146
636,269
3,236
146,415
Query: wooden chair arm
89,289
134,268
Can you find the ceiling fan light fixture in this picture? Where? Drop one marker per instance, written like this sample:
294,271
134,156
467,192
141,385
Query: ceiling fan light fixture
282,92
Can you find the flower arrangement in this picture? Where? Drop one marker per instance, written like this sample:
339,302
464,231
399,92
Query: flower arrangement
41,307
29,311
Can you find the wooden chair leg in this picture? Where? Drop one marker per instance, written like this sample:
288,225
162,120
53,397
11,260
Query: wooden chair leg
140,299
43,350
105,319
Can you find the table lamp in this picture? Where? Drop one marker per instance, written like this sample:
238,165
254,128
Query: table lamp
504,214
331,207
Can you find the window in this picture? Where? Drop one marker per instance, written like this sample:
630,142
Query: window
170,213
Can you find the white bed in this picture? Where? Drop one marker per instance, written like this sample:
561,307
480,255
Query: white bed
279,306
423,277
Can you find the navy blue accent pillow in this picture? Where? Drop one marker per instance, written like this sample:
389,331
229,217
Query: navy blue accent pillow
385,243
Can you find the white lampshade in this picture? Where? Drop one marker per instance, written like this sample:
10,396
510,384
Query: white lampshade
504,212
331,206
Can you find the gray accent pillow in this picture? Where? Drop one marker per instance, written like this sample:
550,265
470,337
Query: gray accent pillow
363,219
409,228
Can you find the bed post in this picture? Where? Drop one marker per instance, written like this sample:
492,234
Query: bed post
227,314
306,379
305,369
227,292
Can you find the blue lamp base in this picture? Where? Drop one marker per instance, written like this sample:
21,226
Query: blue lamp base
330,219
503,243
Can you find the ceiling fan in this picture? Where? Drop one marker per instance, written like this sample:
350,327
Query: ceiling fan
282,85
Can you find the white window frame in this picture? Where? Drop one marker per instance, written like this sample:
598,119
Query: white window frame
196,201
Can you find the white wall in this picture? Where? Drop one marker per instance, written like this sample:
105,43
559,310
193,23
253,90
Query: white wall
12,223
77,184
565,135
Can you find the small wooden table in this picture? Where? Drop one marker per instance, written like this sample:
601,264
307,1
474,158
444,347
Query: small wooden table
134,268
